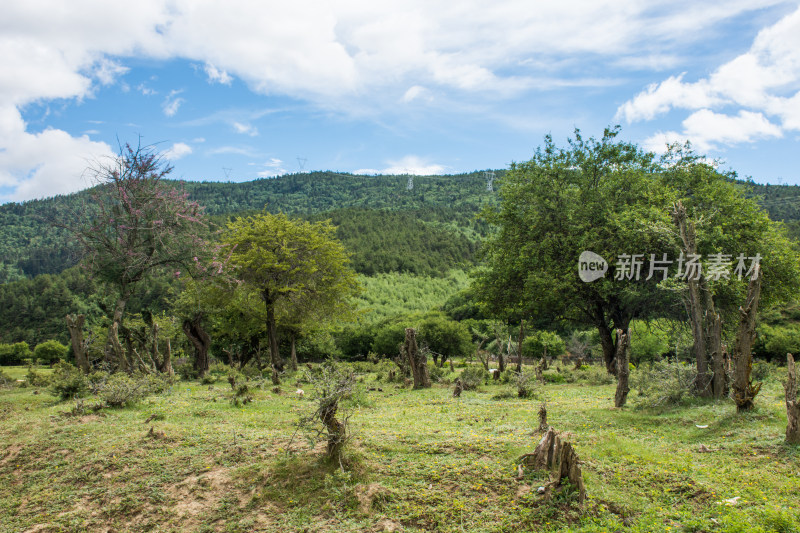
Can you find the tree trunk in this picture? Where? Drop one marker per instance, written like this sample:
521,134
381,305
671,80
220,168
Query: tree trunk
719,383
501,361
201,342
416,360
609,349
559,457
623,368
543,426
744,391
520,338
166,365
293,364
114,354
272,332
792,403
75,327
337,431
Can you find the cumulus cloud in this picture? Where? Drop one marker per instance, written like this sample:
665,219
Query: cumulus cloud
409,164
177,150
352,55
761,85
43,164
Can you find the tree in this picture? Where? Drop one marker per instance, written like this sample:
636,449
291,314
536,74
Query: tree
595,195
49,352
445,338
14,354
291,263
713,220
543,343
137,224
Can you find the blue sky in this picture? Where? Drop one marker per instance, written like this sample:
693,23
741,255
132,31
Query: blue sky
242,89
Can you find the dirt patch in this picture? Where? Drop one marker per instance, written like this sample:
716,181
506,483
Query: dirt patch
387,526
366,495
11,453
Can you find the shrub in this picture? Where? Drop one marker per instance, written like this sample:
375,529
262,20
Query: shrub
593,375
473,377
526,385
554,377
35,379
5,381
184,368
68,381
49,352
661,383
121,390
14,354
763,371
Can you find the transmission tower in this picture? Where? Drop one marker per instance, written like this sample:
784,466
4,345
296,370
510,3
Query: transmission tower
301,162
227,172
489,181
410,185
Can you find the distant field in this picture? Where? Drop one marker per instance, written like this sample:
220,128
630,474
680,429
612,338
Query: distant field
421,460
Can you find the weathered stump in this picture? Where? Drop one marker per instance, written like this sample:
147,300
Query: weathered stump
75,326
458,389
744,391
792,403
559,457
543,427
416,360
623,368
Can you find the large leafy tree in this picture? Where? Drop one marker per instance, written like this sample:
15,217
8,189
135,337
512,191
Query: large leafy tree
594,195
137,224
299,269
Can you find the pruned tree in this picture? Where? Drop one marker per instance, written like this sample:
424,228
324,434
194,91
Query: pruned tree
743,389
137,223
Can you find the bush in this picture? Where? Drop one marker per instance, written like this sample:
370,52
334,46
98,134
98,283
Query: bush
121,390
554,377
49,352
526,385
68,381
35,379
763,371
96,380
184,368
5,380
592,375
14,354
473,377
662,384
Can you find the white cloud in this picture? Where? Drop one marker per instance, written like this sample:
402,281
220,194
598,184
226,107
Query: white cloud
272,168
177,150
216,75
245,129
145,90
762,85
409,164
43,164
705,129
172,102
107,71
352,55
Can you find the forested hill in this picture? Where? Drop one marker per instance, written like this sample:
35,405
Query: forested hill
31,245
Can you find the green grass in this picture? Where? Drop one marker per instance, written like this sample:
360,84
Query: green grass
435,463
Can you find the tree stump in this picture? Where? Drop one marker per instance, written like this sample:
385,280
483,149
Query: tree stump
416,360
559,457
623,368
459,388
792,403
543,427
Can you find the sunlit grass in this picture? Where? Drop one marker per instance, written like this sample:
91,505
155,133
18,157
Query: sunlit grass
441,463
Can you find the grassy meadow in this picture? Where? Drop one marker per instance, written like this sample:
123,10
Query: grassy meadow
418,461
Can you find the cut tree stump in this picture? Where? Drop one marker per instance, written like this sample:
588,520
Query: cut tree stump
459,388
559,457
792,403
